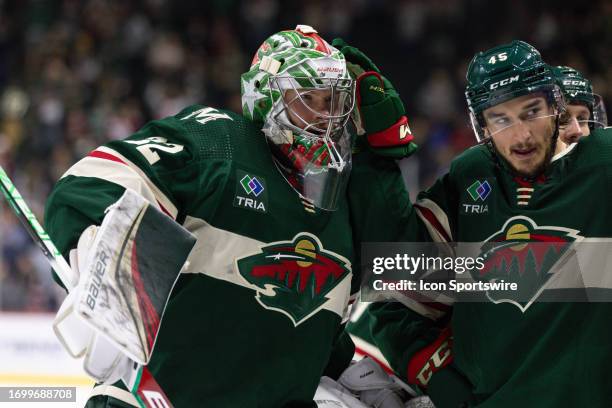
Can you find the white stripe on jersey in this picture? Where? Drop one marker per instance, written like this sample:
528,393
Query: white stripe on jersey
440,215
115,392
125,174
364,348
216,253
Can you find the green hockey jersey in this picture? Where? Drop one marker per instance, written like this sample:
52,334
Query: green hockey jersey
515,353
254,316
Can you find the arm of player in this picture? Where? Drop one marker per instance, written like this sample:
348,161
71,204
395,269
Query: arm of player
380,113
157,162
419,350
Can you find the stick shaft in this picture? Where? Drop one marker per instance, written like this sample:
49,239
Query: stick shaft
36,231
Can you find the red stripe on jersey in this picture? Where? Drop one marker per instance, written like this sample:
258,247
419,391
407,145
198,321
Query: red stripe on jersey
106,156
364,353
527,183
433,220
161,207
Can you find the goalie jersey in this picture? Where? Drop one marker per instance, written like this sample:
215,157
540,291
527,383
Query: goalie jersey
255,315
514,350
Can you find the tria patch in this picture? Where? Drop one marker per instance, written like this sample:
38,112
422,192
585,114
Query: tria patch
525,253
478,192
250,192
294,277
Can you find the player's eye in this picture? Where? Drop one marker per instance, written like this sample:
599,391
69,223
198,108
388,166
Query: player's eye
564,119
500,121
532,113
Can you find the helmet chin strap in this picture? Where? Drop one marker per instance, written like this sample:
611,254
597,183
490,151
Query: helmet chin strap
503,164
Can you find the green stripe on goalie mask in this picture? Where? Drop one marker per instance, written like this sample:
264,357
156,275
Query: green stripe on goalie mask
293,50
290,68
504,73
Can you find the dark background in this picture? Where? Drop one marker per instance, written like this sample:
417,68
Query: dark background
74,74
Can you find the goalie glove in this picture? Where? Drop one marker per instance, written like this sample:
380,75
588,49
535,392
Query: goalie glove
380,112
432,368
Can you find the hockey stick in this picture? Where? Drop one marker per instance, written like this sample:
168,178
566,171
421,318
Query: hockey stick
141,382
36,231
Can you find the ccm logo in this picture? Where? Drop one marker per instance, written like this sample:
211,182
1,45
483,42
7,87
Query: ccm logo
574,82
504,82
435,362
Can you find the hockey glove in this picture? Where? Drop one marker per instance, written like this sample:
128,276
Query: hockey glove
380,111
432,368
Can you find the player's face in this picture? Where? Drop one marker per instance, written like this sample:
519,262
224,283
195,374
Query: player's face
521,129
574,123
311,109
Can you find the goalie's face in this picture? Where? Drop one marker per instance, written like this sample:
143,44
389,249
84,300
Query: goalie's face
311,109
521,130
319,111
311,146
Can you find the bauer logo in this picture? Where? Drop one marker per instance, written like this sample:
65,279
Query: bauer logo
250,192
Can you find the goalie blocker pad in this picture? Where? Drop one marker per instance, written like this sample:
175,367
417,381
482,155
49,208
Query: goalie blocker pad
131,269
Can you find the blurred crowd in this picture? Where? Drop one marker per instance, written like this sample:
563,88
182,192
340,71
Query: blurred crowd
77,73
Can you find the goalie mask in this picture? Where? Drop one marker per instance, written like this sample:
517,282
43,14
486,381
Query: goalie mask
577,90
299,89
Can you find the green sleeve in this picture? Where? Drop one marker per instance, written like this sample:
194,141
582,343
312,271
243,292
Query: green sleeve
399,332
159,161
341,355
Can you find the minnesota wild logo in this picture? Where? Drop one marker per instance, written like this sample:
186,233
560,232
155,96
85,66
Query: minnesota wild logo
294,277
525,253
